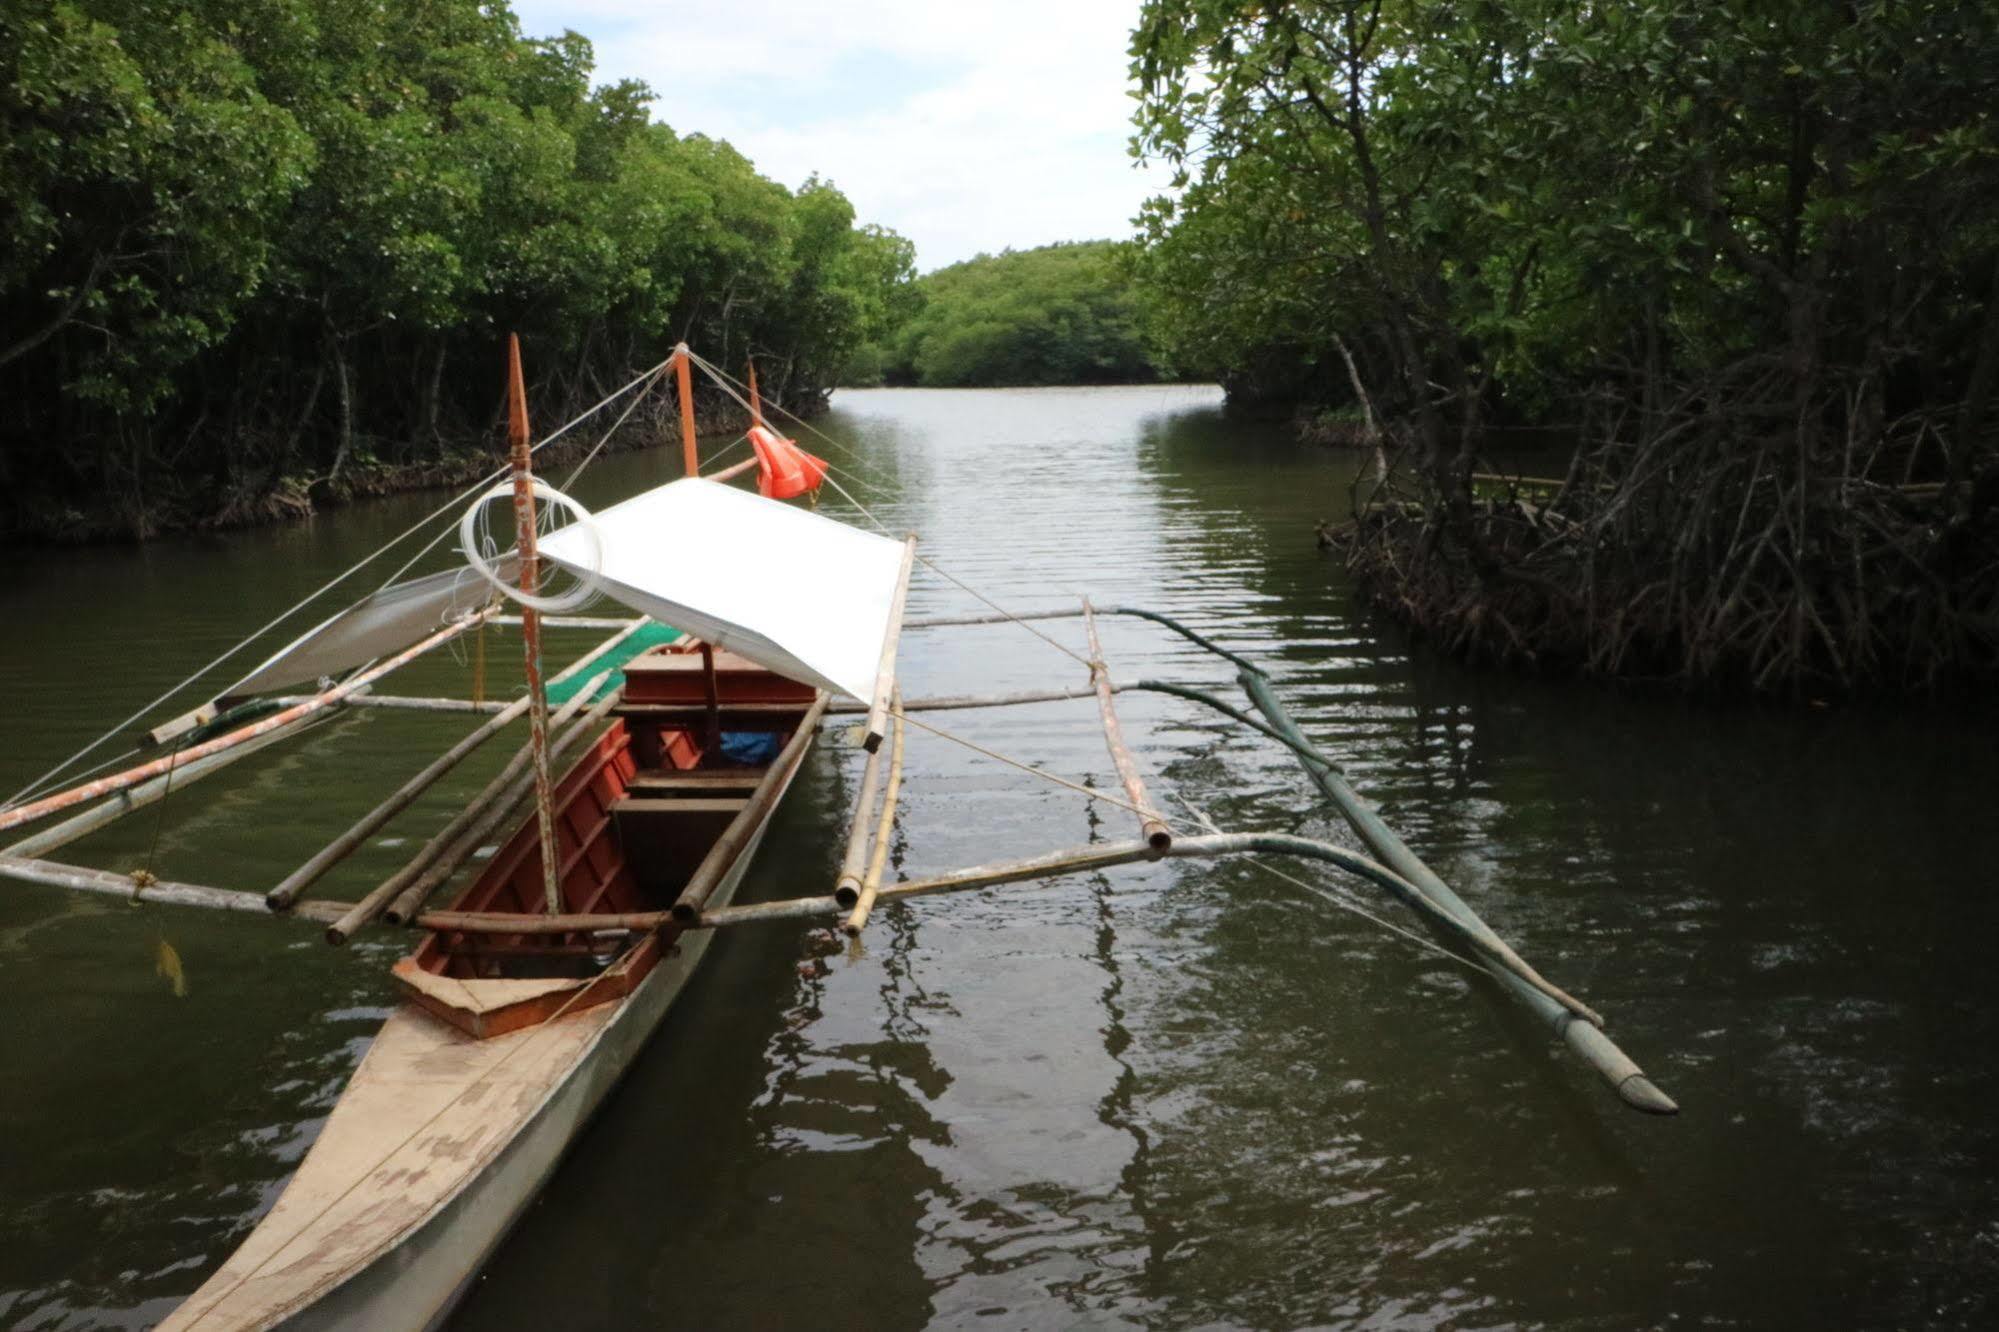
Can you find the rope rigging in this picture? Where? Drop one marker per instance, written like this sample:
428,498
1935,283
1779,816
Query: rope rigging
42,782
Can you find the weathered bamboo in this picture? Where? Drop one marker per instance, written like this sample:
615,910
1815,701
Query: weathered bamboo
947,702
732,471
82,879
1151,823
443,854
1062,613
1585,1038
146,793
877,724
408,703
853,861
857,919
576,621
537,693
299,880
121,781
1494,952
729,846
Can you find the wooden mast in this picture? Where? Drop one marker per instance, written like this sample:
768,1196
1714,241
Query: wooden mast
683,378
524,534
756,402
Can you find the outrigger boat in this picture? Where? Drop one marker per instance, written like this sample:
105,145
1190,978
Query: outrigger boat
526,1000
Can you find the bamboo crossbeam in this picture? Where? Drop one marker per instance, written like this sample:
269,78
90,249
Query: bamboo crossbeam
857,919
728,848
576,621
1156,833
1489,947
947,702
299,880
79,878
441,856
1054,865
120,781
1193,636
732,471
877,724
117,806
1585,1038
408,703
453,844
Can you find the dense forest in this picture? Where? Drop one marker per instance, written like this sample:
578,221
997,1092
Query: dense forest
1743,254
1060,314
264,251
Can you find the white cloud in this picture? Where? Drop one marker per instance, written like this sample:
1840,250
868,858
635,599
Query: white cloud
966,127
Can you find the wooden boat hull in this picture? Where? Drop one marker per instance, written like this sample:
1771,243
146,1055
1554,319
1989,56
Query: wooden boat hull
440,1142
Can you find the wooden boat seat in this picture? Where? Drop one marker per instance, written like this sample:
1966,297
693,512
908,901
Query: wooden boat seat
699,781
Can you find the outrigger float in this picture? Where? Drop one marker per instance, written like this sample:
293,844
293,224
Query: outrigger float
525,1000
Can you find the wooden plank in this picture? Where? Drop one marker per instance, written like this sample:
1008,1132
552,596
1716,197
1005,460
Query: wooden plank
679,805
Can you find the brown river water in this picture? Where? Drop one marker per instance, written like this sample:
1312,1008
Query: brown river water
1166,1096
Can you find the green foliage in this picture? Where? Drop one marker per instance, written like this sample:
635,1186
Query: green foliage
1743,253
1524,202
1061,314
266,237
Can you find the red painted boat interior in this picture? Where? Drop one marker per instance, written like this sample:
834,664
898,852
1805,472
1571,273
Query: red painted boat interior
634,817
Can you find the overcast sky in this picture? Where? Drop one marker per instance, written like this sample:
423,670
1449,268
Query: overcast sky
966,125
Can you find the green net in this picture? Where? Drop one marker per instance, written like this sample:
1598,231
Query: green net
648,636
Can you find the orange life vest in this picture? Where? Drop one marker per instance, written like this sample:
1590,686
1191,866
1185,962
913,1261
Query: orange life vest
783,469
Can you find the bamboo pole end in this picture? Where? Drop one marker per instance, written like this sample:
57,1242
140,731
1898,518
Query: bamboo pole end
847,891
1159,837
1641,1093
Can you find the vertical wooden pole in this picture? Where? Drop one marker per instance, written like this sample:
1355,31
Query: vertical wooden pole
756,401
524,534
683,379
711,732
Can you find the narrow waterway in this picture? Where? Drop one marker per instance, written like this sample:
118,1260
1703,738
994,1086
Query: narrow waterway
1167,1096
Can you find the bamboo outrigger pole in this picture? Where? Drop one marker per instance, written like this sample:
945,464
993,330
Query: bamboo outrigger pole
524,534
877,725
864,902
1157,835
1585,1038
120,781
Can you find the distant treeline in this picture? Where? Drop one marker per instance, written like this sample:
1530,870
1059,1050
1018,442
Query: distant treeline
260,249
1060,314
1744,252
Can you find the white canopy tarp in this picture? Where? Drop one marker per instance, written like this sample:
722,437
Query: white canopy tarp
375,626
806,596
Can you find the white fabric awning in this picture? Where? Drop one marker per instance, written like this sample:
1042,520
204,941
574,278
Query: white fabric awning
806,596
375,626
